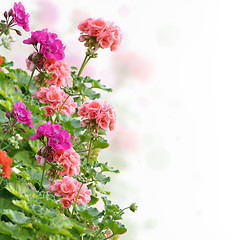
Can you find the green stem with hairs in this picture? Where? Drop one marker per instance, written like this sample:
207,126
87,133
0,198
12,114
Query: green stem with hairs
43,172
4,138
89,154
58,113
85,61
32,73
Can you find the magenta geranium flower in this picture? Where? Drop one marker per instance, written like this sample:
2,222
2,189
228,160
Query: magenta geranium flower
21,17
22,115
50,46
57,138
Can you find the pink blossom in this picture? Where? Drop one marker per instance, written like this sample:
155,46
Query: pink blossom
22,115
57,138
40,159
20,16
68,188
60,72
50,46
50,110
71,160
100,112
66,202
105,33
54,97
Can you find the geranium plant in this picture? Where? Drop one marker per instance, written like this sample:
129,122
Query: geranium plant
53,124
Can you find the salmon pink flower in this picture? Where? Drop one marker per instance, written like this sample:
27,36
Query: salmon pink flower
68,188
100,33
97,112
60,72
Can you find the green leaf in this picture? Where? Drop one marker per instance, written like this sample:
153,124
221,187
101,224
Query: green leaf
3,117
6,204
20,189
21,76
117,227
6,103
96,84
22,204
100,143
24,158
16,217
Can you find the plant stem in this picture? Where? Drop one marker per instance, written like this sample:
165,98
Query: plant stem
89,153
85,61
43,172
32,73
98,232
4,138
58,113
109,237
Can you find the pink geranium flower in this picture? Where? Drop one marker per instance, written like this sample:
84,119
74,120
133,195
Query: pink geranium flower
105,33
54,98
21,17
50,46
57,138
22,115
97,112
60,72
68,188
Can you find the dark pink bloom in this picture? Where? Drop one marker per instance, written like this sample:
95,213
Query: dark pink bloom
57,138
50,46
22,115
20,16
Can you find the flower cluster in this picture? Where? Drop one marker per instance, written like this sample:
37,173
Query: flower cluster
21,18
68,187
60,72
54,98
70,161
5,163
97,113
22,115
57,138
50,46
100,33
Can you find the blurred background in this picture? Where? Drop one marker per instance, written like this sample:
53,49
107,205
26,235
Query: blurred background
178,89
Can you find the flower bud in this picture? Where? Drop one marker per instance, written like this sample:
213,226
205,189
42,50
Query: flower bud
5,14
11,12
133,207
7,115
18,32
23,130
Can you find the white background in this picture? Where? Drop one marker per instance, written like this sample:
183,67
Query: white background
178,83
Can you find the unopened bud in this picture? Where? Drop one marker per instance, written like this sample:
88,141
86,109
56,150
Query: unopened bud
12,113
5,14
23,130
7,115
11,12
18,32
133,207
